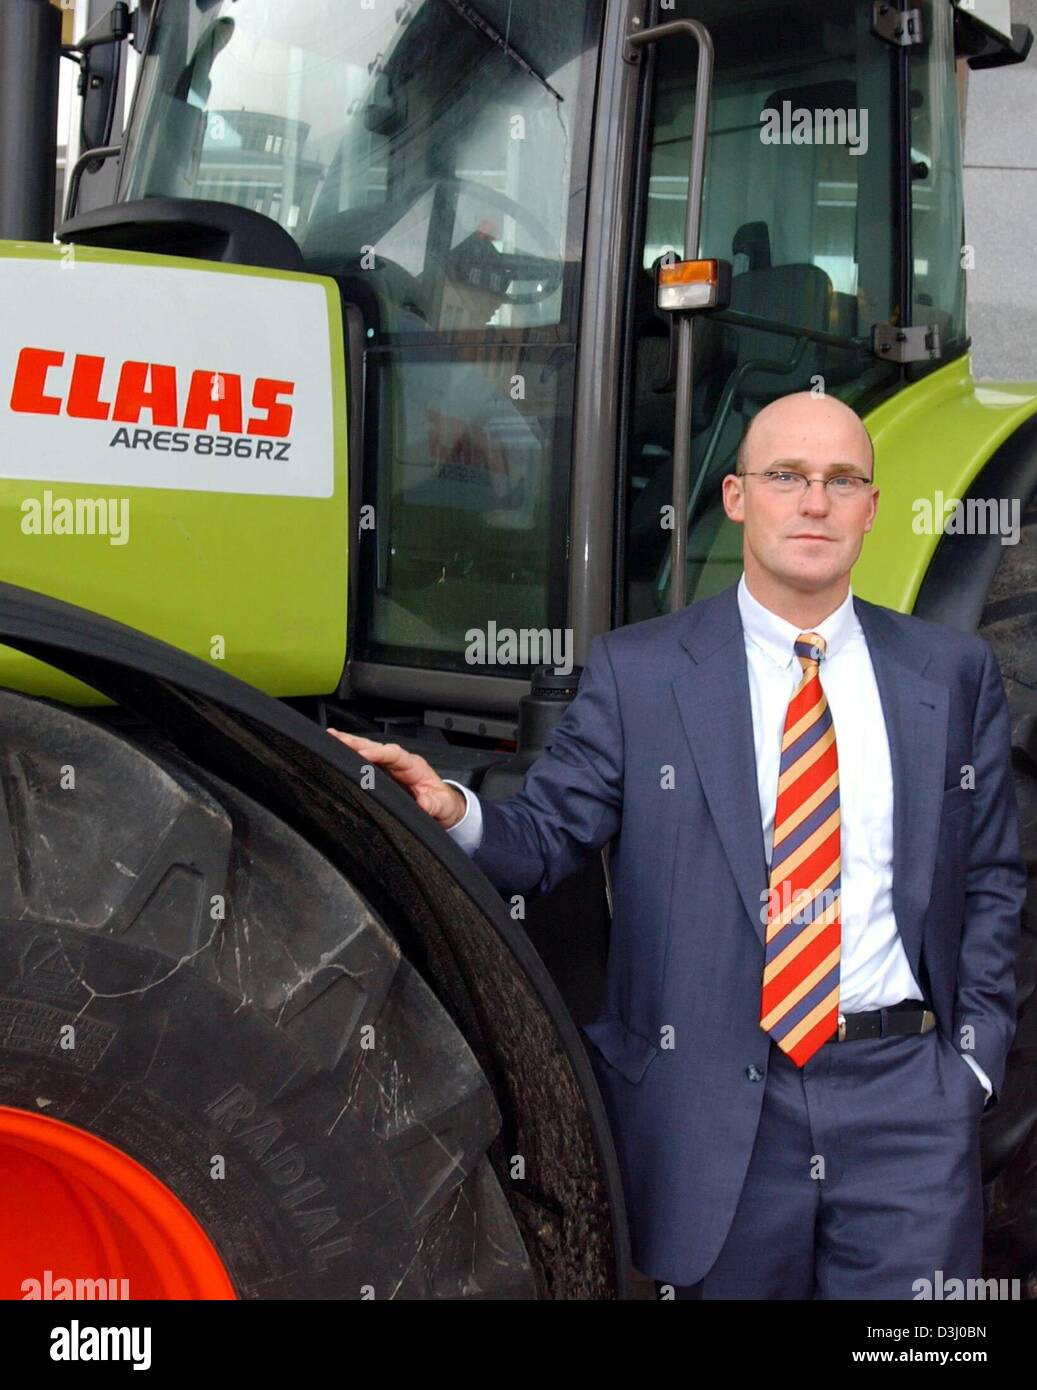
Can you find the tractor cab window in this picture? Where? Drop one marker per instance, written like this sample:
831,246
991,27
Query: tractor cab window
799,198
430,156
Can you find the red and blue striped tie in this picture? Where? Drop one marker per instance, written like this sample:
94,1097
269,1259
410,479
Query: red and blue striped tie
800,1003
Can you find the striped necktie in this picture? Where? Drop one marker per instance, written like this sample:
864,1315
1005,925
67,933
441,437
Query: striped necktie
800,1002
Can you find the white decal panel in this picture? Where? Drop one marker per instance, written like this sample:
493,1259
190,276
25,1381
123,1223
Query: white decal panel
161,377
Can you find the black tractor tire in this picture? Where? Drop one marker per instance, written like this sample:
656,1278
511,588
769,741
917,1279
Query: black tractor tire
1009,1132
233,996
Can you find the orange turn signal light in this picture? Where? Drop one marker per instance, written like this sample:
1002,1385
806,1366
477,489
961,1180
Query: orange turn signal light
685,285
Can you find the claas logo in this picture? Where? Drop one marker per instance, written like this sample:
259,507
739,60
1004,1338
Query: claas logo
42,387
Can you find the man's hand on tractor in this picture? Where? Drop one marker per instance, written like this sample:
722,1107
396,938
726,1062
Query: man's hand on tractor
446,805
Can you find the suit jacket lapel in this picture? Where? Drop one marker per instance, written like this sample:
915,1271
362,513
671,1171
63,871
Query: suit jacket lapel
716,714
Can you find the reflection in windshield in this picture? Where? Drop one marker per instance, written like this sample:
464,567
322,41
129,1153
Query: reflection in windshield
401,130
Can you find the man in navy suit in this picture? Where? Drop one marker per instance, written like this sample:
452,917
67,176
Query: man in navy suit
817,890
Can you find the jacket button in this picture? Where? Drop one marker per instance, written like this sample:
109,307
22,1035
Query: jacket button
753,1072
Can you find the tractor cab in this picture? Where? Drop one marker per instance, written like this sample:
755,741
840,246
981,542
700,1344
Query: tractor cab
434,160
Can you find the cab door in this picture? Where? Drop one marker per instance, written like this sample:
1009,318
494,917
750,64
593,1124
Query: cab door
799,197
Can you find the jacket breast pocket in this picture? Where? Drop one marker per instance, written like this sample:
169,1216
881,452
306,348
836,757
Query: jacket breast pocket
624,1050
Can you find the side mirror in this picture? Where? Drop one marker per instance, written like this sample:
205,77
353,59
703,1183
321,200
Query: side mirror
99,55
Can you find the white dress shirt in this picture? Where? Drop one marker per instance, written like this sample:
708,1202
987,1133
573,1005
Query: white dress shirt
874,969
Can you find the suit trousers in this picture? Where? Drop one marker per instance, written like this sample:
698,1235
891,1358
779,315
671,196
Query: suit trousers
864,1177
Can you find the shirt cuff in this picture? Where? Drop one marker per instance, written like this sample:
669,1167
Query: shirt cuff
468,830
979,1072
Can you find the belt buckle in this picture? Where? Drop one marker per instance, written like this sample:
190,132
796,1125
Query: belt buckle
841,1035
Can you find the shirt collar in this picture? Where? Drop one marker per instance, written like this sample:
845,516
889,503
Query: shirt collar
776,635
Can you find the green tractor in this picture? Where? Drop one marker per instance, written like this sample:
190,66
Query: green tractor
408,358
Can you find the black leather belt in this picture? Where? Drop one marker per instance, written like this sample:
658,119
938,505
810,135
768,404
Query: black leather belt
905,1017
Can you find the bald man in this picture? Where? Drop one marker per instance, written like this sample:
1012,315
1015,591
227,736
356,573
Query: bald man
817,889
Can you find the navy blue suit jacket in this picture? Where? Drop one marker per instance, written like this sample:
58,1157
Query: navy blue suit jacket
678,1048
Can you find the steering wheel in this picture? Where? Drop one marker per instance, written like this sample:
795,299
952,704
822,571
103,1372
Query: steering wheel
546,270
323,256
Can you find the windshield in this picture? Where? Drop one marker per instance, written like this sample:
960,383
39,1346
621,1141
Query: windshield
431,156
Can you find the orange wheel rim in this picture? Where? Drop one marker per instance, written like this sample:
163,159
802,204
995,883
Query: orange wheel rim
81,1219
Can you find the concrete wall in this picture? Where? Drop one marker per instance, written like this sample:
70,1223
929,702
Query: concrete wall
1001,213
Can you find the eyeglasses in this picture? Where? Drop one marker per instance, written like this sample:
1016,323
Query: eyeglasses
842,486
